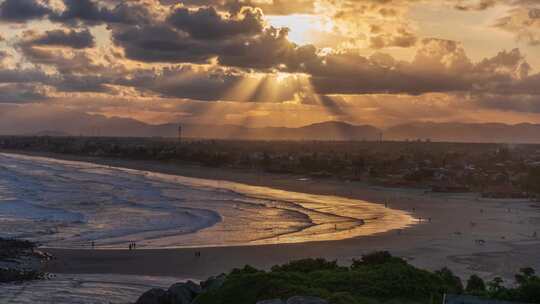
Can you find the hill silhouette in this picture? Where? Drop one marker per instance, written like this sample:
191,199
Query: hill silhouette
75,124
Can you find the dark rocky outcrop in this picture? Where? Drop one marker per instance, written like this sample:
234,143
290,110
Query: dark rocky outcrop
274,301
183,293
179,293
154,296
296,300
306,300
8,275
19,261
213,283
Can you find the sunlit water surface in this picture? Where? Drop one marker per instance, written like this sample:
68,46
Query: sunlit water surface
72,204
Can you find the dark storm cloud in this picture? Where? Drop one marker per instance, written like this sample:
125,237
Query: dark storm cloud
68,38
76,11
206,23
163,44
265,51
22,10
439,66
89,11
241,42
203,34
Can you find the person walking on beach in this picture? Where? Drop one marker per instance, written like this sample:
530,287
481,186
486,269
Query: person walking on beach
93,244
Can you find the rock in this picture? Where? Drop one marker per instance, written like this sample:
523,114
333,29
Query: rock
213,283
154,296
306,300
194,287
274,301
183,293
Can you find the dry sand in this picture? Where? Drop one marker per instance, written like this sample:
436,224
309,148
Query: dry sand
465,233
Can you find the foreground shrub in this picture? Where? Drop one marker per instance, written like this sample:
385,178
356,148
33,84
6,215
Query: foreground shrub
475,285
377,278
308,265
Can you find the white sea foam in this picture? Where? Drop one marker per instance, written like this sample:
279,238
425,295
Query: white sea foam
70,204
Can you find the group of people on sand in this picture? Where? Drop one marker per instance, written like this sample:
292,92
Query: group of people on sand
132,246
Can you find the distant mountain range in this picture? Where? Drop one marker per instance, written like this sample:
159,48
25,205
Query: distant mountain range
97,125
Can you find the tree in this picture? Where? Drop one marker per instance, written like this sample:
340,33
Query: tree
532,182
452,282
475,285
525,275
495,286
377,258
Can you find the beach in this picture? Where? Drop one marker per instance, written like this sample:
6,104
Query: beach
463,232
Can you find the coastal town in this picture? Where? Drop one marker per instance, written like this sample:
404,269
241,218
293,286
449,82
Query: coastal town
492,170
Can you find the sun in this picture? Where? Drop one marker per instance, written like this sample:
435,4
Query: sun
304,29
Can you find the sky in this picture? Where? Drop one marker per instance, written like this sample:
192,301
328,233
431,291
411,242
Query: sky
271,62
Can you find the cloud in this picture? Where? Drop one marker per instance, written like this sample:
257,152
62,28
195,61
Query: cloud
221,50
439,66
68,61
271,49
20,93
466,5
206,23
61,37
516,103
401,38
214,84
21,76
522,22
77,11
270,7
161,43
22,10
88,11
239,41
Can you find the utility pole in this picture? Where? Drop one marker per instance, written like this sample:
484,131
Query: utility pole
179,133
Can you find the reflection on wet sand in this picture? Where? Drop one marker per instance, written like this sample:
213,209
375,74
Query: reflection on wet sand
75,203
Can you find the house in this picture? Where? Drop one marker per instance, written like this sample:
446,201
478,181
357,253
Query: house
449,187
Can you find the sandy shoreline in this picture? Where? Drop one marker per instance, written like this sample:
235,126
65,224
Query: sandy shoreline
466,234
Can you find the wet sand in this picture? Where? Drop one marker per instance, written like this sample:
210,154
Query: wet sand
465,233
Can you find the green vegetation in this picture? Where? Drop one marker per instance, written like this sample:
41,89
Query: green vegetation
493,169
376,278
